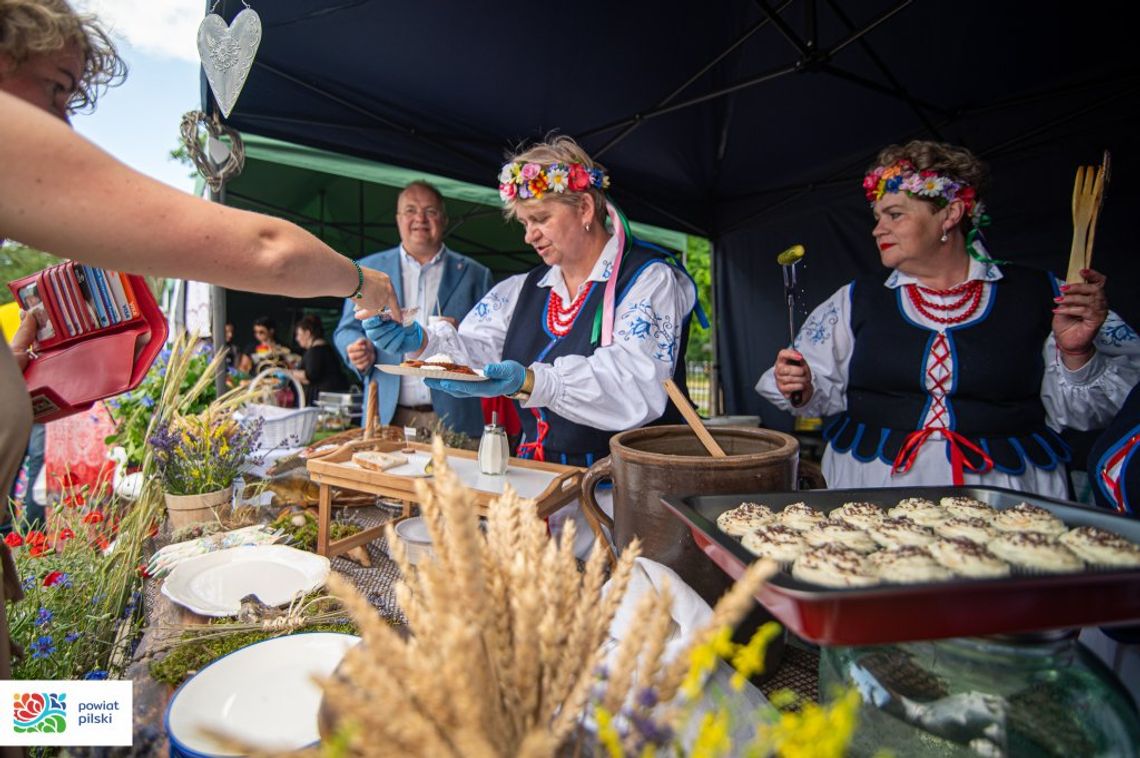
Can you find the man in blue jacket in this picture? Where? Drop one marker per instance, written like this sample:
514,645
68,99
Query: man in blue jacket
437,281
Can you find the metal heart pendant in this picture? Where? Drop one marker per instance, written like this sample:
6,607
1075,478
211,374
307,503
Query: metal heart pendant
227,54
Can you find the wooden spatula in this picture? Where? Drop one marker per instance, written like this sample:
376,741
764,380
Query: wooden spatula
1088,196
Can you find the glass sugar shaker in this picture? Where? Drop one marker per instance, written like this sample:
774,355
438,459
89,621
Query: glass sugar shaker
493,448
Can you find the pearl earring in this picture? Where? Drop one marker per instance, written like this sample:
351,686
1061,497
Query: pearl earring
944,237
587,228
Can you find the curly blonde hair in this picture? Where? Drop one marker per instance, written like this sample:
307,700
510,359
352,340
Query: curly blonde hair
37,27
561,149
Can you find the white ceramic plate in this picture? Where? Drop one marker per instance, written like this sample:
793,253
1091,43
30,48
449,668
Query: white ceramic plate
262,693
214,584
428,373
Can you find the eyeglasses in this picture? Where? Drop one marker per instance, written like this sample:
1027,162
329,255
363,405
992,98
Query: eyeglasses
412,212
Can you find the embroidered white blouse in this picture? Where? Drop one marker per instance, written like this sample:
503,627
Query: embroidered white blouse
1083,399
618,387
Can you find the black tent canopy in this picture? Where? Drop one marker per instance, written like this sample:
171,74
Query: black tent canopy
747,121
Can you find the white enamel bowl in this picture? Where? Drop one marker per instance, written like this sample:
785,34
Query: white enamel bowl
262,694
214,584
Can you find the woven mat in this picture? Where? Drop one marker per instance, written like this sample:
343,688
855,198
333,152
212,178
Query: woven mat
376,582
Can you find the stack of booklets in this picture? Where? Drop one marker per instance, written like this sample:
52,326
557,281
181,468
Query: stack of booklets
97,334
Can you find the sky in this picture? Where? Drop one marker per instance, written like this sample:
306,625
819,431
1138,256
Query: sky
138,121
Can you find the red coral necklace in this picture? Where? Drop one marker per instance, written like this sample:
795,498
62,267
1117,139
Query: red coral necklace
971,298
560,320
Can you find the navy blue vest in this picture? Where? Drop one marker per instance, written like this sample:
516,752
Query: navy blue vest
1114,440
995,399
528,341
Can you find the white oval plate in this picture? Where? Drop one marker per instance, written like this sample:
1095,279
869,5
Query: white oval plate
262,693
214,584
428,373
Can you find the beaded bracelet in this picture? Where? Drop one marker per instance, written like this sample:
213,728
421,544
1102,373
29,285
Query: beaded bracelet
358,293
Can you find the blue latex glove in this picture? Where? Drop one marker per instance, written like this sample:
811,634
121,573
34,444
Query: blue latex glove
504,378
392,336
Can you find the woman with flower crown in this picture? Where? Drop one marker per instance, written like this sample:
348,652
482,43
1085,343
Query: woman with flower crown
958,368
584,341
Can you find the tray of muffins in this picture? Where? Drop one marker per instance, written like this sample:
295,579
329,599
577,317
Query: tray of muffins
873,566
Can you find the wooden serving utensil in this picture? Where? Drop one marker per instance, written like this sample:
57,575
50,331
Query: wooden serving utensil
692,419
372,411
1088,196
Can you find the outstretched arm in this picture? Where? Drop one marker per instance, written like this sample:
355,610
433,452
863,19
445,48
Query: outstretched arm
60,193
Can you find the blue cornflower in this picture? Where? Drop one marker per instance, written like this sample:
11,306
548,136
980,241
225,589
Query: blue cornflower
148,402
44,617
43,647
29,582
72,637
95,674
64,580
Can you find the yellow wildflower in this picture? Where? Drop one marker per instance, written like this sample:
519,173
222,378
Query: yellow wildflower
712,738
748,660
813,732
608,733
704,658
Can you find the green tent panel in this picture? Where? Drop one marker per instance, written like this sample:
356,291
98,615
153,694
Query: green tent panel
350,204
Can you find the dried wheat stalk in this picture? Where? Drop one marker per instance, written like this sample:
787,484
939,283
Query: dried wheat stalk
506,636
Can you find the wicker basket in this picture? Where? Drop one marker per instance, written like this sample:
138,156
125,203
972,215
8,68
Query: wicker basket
282,427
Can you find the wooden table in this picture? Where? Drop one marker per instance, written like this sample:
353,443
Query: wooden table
336,470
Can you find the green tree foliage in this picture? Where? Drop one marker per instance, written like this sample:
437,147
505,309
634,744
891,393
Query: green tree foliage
18,260
697,255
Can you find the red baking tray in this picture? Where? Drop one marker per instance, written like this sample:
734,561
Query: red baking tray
899,613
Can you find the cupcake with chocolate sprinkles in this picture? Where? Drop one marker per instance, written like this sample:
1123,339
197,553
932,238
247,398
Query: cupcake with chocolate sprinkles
776,541
973,529
920,511
858,515
1101,548
967,558
833,566
1034,552
801,517
967,507
744,518
908,564
895,532
839,533
1024,517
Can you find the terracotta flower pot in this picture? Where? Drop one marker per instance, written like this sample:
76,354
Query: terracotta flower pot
185,510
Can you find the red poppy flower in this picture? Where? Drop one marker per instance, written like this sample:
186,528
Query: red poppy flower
13,540
101,542
93,517
36,538
52,578
37,550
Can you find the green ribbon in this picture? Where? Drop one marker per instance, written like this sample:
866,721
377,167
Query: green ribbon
972,237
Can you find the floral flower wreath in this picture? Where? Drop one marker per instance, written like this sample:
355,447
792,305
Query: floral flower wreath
524,181
903,177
